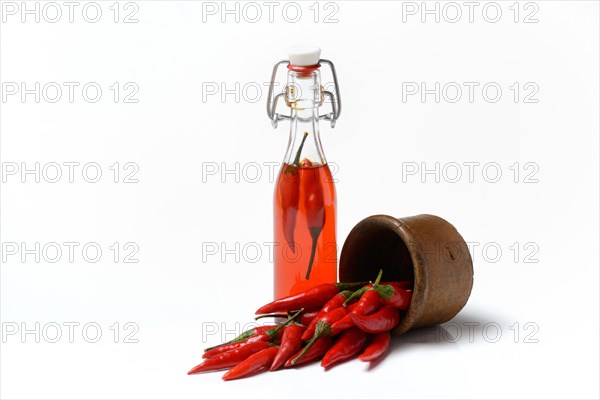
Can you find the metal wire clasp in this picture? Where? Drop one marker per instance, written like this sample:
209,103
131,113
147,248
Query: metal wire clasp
336,101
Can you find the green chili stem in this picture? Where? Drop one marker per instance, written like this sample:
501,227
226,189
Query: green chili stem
273,332
378,277
360,291
299,152
270,316
314,233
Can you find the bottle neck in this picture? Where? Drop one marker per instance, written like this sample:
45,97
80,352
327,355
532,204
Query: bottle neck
304,98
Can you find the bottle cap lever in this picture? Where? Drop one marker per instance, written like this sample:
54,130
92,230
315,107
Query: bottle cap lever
336,101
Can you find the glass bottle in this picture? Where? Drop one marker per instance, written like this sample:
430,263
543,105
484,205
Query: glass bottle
305,251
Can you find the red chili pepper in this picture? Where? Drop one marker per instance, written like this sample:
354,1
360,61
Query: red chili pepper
382,321
307,317
314,353
265,335
324,328
232,346
313,298
257,362
270,335
244,336
310,330
230,358
315,210
368,303
400,298
290,344
379,344
335,302
289,189
347,346
351,307
343,324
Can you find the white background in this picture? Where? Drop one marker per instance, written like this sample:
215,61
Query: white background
179,289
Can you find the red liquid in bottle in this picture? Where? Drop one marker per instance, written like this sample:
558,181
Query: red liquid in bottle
297,222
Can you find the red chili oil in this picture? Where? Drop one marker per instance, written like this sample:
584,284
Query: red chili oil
291,262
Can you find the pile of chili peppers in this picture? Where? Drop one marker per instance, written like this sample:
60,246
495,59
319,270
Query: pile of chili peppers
332,322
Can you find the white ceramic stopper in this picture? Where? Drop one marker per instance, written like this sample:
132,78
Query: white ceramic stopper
304,56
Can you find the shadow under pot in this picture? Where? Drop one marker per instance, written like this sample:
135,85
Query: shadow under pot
425,249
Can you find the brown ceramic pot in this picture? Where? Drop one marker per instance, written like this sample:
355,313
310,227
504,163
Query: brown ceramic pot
423,248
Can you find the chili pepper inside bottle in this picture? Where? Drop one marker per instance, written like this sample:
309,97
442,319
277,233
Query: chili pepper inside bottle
305,251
